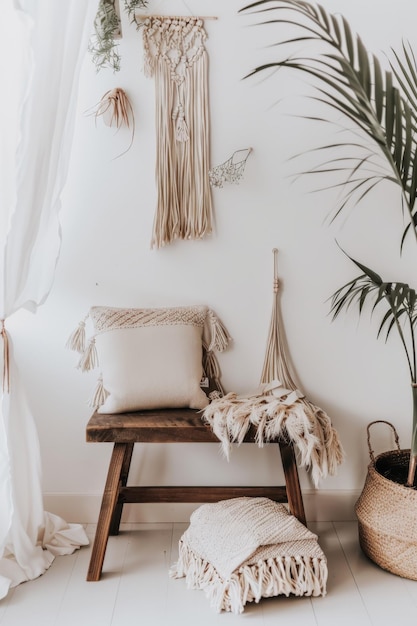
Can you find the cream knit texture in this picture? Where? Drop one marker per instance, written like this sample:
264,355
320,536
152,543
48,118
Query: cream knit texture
243,549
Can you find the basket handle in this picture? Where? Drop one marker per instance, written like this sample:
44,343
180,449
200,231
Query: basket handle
368,430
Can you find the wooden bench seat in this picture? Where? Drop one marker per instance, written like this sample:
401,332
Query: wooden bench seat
168,426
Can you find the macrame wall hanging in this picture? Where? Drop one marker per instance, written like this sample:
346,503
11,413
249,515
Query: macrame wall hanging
175,54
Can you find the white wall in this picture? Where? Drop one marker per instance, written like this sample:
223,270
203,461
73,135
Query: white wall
107,215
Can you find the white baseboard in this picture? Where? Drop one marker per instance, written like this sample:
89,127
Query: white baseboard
320,506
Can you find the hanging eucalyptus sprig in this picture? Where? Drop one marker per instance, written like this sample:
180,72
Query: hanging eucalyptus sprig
102,45
131,6
107,28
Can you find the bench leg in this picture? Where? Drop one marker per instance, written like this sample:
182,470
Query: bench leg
108,504
292,481
117,514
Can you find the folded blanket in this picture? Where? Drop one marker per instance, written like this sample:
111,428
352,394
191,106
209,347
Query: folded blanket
243,549
294,418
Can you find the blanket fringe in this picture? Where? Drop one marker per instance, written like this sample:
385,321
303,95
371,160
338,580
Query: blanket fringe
308,427
287,575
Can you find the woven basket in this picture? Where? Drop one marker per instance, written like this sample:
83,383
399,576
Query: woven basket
387,512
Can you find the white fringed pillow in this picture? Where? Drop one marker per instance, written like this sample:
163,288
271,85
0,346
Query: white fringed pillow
149,358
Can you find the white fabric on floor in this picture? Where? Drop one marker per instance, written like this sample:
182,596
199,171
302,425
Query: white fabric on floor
43,44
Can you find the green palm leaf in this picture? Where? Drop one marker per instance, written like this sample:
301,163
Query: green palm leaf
350,81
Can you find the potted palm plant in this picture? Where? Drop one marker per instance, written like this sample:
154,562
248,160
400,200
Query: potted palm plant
380,106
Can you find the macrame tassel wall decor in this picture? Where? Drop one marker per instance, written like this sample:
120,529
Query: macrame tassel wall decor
276,364
175,54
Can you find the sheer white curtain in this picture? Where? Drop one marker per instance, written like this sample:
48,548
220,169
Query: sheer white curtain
43,44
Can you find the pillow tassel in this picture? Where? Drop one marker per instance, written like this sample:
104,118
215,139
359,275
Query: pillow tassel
76,341
220,338
211,368
89,359
100,394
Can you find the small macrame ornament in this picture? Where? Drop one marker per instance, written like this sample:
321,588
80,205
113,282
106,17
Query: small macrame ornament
175,54
231,171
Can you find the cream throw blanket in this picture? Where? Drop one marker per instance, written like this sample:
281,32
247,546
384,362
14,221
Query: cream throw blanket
280,413
243,549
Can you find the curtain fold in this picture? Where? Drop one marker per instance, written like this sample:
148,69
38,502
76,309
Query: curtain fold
43,45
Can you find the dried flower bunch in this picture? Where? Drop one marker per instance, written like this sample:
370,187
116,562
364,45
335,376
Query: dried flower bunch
116,110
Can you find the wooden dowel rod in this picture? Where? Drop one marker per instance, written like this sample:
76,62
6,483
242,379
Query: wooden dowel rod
176,17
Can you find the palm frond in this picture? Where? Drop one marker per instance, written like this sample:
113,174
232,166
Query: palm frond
405,71
399,298
350,80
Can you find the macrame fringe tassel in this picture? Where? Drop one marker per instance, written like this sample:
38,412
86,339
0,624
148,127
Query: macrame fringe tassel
219,337
181,128
89,359
100,395
76,341
288,575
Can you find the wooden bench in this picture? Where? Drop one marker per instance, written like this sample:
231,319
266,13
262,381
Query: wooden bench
168,426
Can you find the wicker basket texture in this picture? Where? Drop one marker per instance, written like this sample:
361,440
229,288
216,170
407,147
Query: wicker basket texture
387,512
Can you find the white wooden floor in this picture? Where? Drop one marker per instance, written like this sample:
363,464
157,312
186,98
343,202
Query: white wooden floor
135,588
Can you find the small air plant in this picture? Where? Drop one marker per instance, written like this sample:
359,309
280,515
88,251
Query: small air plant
116,110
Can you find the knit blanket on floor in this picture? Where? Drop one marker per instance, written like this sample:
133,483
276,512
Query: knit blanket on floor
245,549
295,419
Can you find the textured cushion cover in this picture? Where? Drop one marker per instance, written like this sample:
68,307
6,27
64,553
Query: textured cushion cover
150,358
